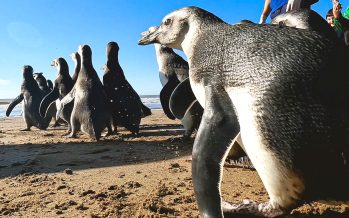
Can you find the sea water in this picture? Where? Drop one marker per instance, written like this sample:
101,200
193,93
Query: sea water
151,101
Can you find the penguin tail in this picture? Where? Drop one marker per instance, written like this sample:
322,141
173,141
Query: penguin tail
145,111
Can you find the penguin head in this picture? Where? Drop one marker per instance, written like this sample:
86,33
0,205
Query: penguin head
175,26
55,64
38,76
76,57
171,31
85,52
49,84
27,72
112,49
60,64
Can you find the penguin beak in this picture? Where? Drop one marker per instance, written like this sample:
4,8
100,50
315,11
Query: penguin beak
149,37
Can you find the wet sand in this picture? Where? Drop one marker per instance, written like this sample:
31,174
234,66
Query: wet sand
44,174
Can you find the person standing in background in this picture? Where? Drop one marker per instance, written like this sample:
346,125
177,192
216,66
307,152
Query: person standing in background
276,7
339,22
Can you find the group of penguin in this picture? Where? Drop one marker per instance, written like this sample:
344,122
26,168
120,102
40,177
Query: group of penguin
81,101
85,104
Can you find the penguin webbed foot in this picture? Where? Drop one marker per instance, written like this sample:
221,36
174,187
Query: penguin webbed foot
248,207
56,124
109,133
174,139
25,129
184,138
71,135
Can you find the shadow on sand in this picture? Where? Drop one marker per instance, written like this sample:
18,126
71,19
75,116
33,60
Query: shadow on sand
111,151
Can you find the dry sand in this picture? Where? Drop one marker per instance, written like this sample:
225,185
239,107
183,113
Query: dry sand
43,174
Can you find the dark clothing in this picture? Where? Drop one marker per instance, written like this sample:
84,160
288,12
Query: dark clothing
342,28
279,7
278,11
277,4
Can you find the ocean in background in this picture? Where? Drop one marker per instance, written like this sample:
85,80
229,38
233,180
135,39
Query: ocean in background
151,101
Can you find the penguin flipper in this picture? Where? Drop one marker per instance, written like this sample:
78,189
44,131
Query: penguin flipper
181,99
47,100
210,148
145,110
66,100
165,95
13,104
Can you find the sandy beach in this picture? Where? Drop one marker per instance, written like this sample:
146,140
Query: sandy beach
44,174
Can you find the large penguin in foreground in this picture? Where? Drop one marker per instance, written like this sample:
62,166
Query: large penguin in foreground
286,89
31,95
127,107
63,85
177,98
91,113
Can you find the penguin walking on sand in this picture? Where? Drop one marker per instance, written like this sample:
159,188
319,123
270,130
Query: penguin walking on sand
63,85
126,105
286,89
177,98
90,113
31,95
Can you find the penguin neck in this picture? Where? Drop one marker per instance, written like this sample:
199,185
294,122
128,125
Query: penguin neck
190,37
86,64
159,57
63,70
196,28
114,66
76,70
30,84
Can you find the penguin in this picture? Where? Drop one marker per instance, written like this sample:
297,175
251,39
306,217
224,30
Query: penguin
42,82
127,107
77,60
185,106
50,84
90,112
173,74
170,64
285,89
63,85
31,95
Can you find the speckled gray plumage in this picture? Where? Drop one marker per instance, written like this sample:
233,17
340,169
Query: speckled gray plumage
172,64
285,88
125,103
90,112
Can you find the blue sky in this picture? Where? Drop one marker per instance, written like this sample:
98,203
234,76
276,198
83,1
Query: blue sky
35,32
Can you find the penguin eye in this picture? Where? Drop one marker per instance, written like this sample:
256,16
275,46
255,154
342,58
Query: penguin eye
167,22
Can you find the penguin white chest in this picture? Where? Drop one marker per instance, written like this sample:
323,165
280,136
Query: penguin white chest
278,179
199,91
163,78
